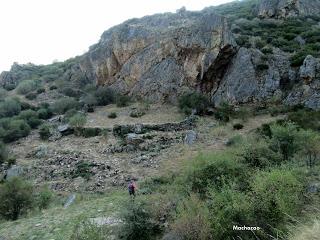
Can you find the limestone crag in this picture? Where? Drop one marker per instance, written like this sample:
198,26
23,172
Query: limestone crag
157,57
288,8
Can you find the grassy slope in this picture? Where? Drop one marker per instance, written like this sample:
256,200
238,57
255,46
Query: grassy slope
58,223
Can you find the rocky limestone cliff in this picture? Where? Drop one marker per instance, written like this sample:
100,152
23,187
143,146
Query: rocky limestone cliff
288,8
157,57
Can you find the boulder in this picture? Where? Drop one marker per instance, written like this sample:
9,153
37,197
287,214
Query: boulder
134,139
310,69
70,200
14,171
65,129
191,137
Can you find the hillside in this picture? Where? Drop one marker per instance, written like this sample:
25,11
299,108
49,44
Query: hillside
214,114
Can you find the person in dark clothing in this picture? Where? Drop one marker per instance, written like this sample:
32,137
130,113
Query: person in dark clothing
132,188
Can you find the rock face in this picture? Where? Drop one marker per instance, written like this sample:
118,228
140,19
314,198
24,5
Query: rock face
288,8
157,57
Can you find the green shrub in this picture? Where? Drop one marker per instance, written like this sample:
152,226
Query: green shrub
53,87
137,221
9,86
285,139
219,169
262,67
31,117
192,220
86,230
310,147
89,100
122,100
193,101
3,94
27,86
43,198
83,169
105,96
41,90
238,126
31,96
71,92
15,198
3,153
230,207
78,120
224,112
44,113
64,104
278,195
112,115
306,119
90,132
16,129
259,155
44,132
9,107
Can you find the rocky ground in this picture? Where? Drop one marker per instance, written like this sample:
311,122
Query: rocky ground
78,164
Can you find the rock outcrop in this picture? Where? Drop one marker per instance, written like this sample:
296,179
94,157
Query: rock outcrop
159,56
288,8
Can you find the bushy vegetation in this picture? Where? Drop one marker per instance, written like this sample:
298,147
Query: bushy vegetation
105,96
44,132
86,230
27,86
112,115
62,105
137,223
9,107
15,198
191,101
258,182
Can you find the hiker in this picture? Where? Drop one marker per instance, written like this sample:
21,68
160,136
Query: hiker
132,188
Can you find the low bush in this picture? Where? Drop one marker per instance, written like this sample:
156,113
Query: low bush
230,207
89,100
71,92
216,170
77,121
31,117
122,100
278,195
9,86
86,230
16,198
238,126
44,113
112,115
90,132
306,119
53,87
192,220
41,90
3,94
31,96
83,169
9,107
3,153
193,101
45,132
43,197
137,221
105,96
285,139
64,104
259,155
15,129
27,86
224,112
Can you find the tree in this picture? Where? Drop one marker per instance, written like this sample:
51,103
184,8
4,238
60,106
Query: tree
16,197
310,146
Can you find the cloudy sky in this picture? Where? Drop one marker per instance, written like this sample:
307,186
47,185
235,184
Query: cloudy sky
41,31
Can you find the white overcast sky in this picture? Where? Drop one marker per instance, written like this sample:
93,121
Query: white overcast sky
41,31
